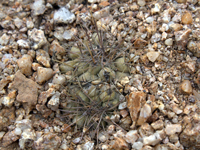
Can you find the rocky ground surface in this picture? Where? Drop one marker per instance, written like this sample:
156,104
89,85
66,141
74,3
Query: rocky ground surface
153,74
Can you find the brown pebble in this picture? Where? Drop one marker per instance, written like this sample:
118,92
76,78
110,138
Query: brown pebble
187,18
186,87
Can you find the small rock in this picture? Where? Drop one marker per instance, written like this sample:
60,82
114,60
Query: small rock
131,136
56,49
2,134
141,3
47,141
102,136
63,15
156,37
150,19
7,117
54,102
38,7
186,87
43,74
137,145
43,58
158,125
145,113
155,138
69,34
187,18
28,136
156,9
18,23
152,56
194,47
27,91
181,38
88,145
23,44
173,128
59,79
169,42
102,13
4,39
9,138
120,143
140,43
7,101
38,37
122,106
25,64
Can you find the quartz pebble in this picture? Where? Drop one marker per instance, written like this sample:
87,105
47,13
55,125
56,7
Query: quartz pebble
131,136
58,79
173,128
23,44
43,74
169,42
54,102
152,56
63,15
25,64
43,58
56,49
181,38
186,87
4,39
38,37
155,138
38,7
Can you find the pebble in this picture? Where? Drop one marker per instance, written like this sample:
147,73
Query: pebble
122,106
102,13
181,38
155,138
169,42
150,19
54,102
103,136
43,74
59,79
27,91
173,128
63,15
4,39
158,125
145,113
194,47
156,37
156,9
27,136
131,136
152,56
38,7
25,64
141,3
137,145
69,34
2,134
140,43
186,87
88,145
186,18
23,44
56,49
18,23
7,101
43,58
38,37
